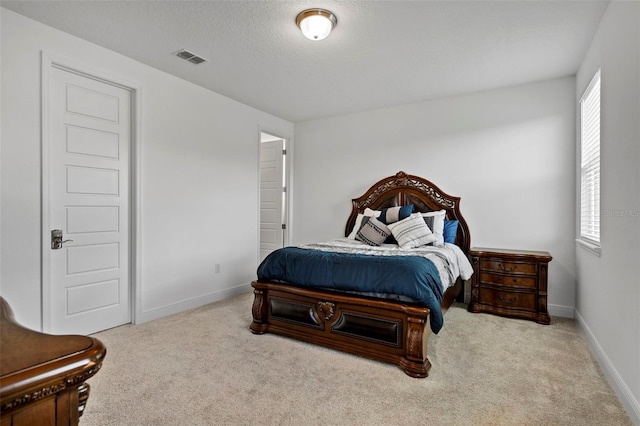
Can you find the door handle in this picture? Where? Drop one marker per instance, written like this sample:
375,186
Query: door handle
56,239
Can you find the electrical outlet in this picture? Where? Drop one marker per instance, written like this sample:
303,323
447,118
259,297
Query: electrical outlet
217,268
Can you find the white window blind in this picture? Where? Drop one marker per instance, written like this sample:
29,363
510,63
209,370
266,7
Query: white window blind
590,162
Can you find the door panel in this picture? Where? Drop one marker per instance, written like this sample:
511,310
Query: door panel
81,219
90,103
271,197
88,185
92,142
88,297
92,258
86,180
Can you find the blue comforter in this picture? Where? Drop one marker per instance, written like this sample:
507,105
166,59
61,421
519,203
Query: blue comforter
411,276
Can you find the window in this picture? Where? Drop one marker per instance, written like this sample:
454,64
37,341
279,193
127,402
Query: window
590,163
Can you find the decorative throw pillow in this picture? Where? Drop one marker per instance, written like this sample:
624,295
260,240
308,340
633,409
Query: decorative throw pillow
356,227
412,232
374,213
394,214
450,231
435,222
358,224
372,231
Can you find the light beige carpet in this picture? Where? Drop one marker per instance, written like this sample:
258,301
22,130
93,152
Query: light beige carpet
204,367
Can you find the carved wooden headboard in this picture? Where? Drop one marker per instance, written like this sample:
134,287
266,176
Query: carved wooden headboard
403,189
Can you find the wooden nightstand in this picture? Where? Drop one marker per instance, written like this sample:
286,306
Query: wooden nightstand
510,282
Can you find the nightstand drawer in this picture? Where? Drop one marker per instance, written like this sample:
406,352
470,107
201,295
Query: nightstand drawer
507,299
509,267
508,280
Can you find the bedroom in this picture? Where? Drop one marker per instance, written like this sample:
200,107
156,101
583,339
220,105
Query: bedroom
533,123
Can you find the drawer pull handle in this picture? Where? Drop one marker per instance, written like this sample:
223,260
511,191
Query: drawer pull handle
505,300
513,268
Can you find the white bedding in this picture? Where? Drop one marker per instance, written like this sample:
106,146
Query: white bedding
450,261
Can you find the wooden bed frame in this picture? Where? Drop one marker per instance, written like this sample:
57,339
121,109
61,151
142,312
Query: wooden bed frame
389,331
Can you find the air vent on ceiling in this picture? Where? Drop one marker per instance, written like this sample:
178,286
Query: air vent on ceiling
190,56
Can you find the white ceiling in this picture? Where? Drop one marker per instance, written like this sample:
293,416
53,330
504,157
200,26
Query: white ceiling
381,54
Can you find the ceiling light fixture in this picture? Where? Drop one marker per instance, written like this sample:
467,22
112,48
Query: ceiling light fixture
316,24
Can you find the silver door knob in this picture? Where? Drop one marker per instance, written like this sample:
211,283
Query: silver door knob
56,239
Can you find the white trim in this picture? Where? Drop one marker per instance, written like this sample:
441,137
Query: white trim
290,189
593,81
136,203
45,76
196,302
619,386
589,246
589,156
135,227
561,311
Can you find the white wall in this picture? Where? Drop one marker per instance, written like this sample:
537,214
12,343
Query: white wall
198,177
509,154
608,296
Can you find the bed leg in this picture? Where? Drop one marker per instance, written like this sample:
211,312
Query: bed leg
416,370
416,363
259,311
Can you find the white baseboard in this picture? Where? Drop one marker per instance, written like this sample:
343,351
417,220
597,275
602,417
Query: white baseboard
184,305
619,386
561,311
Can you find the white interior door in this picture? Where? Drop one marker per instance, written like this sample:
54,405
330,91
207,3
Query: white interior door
271,196
89,136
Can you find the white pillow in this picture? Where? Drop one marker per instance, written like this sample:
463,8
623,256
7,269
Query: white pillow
374,213
412,232
372,232
435,221
358,224
356,227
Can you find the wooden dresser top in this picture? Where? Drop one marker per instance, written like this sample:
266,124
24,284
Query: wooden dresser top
482,251
31,360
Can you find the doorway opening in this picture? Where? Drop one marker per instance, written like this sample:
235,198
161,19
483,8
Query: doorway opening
273,194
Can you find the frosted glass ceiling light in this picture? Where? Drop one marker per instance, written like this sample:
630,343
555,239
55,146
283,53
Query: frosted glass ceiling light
316,24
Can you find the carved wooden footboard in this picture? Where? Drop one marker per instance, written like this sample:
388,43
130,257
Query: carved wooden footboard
387,331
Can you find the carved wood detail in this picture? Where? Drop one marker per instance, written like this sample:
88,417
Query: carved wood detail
326,310
415,342
401,189
415,338
83,396
258,302
34,396
44,392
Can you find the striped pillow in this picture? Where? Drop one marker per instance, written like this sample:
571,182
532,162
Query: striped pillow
372,231
394,214
412,232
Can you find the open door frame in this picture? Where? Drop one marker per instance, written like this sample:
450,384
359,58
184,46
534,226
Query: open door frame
288,182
